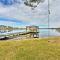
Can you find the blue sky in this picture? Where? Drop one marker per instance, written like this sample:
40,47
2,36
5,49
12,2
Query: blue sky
15,13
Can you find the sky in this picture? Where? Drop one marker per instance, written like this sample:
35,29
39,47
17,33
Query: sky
15,13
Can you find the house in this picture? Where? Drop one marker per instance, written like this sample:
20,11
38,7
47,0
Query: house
33,31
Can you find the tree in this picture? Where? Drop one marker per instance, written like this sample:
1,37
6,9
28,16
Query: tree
33,3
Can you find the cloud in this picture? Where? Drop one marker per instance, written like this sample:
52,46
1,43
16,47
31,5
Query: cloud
54,19
24,13
38,16
10,23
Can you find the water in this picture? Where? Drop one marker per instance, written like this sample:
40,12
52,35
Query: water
42,32
48,32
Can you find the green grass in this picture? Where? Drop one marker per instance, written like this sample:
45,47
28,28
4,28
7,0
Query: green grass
35,49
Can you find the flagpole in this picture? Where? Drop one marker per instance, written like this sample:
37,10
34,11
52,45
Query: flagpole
48,18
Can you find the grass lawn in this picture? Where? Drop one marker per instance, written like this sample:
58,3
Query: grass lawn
35,49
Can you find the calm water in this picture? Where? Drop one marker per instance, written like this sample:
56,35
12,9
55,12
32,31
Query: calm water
43,32
48,32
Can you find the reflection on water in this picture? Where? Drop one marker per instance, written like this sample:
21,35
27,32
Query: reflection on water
42,32
48,32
